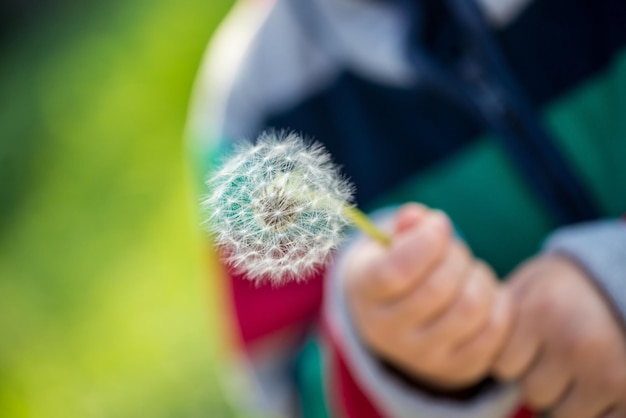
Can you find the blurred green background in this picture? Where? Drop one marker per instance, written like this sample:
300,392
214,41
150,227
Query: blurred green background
106,307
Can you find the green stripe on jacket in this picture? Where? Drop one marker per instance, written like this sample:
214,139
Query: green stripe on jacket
492,205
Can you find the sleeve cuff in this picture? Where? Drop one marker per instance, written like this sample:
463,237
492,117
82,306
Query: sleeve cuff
600,248
393,396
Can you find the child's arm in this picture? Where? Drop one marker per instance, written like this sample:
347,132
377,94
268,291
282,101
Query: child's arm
425,304
429,309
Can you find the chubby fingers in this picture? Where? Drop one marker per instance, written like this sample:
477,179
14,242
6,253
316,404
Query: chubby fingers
387,274
460,343
481,350
468,313
426,303
436,292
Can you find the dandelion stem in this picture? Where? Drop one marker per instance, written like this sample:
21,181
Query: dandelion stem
363,222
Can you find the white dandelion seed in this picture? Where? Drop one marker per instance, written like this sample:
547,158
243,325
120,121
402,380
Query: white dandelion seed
277,208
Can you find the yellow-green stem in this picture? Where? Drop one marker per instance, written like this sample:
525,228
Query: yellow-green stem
362,222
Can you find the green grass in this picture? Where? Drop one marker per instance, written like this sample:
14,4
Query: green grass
106,306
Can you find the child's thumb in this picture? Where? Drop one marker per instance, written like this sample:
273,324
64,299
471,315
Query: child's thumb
409,216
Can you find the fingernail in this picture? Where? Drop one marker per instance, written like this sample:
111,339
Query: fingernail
409,216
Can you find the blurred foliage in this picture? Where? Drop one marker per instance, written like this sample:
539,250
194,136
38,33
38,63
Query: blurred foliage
106,309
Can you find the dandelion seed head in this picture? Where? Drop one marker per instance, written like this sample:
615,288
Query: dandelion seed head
276,208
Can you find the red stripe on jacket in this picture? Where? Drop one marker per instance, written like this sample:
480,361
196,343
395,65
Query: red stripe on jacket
263,309
524,413
346,397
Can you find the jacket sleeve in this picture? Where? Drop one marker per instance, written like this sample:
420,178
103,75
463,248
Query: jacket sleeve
600,248
367,388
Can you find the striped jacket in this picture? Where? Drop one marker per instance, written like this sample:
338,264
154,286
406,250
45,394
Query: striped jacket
509,115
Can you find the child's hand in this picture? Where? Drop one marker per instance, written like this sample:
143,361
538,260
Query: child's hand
426,304
566,348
